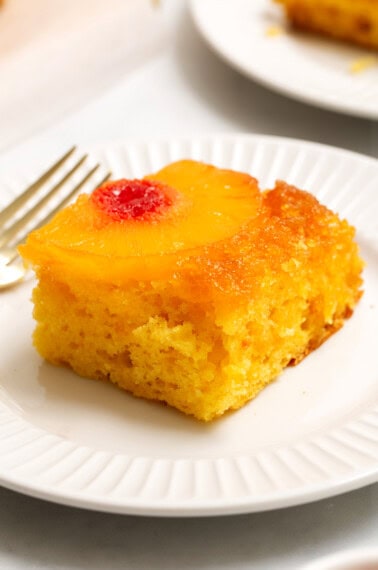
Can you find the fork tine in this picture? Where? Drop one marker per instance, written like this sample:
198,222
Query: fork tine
65,201
12,253
10,232
33,188
69,196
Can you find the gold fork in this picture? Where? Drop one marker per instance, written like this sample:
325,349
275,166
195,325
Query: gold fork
23,214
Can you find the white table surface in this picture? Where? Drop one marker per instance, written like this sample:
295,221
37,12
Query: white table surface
181,89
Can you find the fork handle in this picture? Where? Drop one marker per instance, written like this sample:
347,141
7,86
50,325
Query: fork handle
7,255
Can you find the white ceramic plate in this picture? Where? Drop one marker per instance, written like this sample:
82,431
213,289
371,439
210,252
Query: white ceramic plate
311,434
312,69
351,559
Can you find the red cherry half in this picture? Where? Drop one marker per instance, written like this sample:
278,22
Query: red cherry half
133,199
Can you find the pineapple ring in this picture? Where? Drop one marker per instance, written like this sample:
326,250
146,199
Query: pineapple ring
209,205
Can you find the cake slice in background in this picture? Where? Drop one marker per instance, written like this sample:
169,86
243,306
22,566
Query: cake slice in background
351,20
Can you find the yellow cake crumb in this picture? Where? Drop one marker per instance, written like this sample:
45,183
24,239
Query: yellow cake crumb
363,64
274,31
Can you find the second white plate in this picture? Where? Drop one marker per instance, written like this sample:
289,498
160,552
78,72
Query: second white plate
309,68
311,434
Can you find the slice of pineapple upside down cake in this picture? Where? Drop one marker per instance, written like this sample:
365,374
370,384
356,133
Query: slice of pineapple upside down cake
191,286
